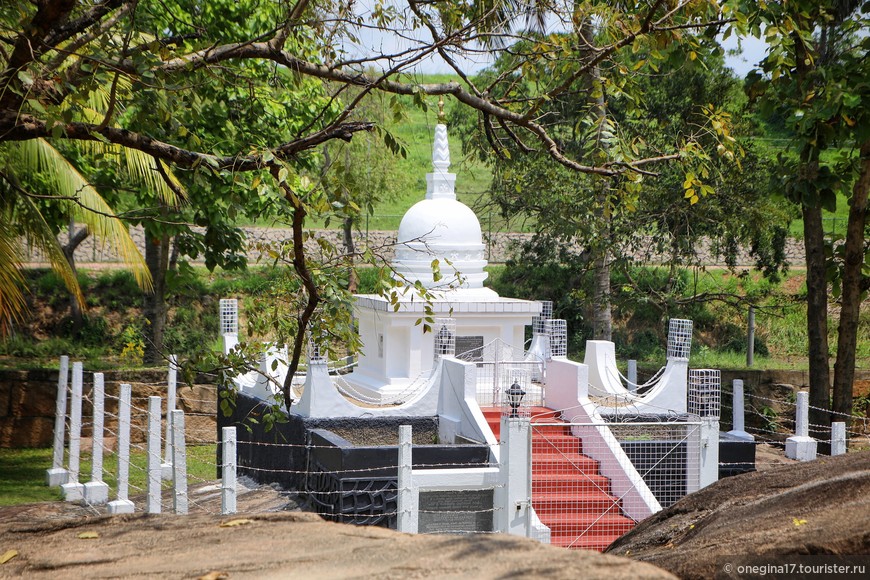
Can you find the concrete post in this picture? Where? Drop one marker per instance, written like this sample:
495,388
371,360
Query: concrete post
407,518
514,510
709,451
57,475
72,489
738,412
838,438
228,470
96,491
801,446
123,505
166,467
179,463
632,375
154,471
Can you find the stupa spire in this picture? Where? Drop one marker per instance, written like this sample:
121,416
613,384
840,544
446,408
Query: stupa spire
440,183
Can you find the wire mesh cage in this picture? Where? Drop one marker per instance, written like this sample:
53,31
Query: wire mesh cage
679,339
539,323
445,337
558,331
315,353
229,314
705,392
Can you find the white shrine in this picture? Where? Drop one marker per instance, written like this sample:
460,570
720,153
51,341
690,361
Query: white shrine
475,364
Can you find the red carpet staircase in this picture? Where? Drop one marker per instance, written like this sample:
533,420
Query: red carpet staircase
569,494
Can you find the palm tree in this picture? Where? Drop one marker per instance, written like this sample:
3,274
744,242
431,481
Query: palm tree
20,215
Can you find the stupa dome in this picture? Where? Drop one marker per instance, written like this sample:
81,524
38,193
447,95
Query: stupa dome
443,228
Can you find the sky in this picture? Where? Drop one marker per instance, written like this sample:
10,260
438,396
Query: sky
373,42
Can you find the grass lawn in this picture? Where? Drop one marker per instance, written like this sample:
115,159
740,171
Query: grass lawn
22,473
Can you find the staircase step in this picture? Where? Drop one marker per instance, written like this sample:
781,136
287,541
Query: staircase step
555,443
563,464
574,504
597,542
611,519
574,481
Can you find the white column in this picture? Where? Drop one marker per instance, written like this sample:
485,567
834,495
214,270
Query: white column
838,438
96,491
738,412
632,375
72,489
408,517
123,505
801,446
709,451
179,463
170,407
228,471
154,475
57,475
513,508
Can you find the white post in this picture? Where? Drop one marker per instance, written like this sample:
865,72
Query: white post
801,446
513,515
72,489
738,413
179,463
228,475
838,438
407,520
170,407
123,505
709,451
96,491
57,475
154,478
632,375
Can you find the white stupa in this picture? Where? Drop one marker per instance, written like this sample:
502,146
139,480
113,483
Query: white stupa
397,353
442,228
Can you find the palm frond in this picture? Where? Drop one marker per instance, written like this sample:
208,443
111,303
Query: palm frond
141,167
39,234
89,206
12,303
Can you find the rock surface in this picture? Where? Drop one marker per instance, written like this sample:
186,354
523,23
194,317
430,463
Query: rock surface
55,540
818,507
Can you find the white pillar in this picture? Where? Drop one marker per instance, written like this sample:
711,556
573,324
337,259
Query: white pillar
154,476
179,463
738,416
228,471
170,407
513,514
709,451
801,446
632,375
123,505
407,518
96,491
72,489
57,475
838,438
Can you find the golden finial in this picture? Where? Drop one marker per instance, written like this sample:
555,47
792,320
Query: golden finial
442,118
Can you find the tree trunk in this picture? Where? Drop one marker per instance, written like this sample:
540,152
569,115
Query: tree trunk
75,239
847,342
347,230
157,261
817,324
